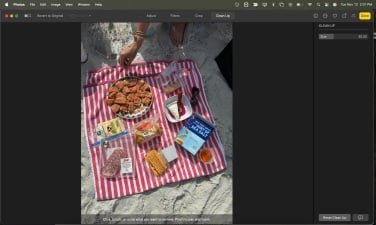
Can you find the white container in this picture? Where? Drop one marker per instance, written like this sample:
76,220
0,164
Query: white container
186,104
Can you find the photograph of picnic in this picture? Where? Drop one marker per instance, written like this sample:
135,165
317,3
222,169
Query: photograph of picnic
156,123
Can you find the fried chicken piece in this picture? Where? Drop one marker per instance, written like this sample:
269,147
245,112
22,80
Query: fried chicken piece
138,86
137,104
148,95
121,100
120,95
119,84
113,89
139,94
146,101
132,83
112,95
131,107
145,87
130,97
133,89
124,108
110,101
126,90
115,108
136,99
141,82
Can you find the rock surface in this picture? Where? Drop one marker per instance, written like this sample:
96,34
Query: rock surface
201,196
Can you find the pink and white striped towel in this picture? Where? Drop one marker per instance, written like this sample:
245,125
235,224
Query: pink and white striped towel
185,167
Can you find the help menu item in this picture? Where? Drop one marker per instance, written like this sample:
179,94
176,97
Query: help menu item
194,133
147,129
157,163
129,97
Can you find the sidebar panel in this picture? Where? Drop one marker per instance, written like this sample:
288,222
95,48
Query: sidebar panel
343,122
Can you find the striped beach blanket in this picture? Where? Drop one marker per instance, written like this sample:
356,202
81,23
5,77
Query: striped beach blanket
185,167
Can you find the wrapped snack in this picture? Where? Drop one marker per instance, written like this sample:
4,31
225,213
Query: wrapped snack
112,165
117,157
110,128
157,162
147,129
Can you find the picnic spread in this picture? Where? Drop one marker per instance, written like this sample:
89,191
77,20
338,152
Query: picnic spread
148,125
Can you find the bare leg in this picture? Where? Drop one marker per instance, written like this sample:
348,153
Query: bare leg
177,33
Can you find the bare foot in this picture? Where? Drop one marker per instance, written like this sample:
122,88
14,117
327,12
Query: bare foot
177,33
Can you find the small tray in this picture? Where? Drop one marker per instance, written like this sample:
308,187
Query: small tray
186,104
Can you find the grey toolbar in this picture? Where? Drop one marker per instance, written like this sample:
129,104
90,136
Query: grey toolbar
184,16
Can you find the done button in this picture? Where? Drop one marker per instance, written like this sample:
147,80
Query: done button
364,15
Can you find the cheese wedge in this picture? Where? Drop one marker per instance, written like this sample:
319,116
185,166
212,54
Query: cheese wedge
174,109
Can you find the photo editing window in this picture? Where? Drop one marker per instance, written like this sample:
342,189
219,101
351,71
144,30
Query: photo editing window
187,112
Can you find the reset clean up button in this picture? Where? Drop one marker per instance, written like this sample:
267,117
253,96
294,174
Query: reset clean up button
334,217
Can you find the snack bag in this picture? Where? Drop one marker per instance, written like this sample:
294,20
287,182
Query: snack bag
147,129
157,162
117,157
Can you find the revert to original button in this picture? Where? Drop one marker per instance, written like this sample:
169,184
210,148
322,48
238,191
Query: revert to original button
334,217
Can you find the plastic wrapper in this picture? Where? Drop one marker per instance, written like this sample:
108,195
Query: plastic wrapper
147,130
117,157
170,79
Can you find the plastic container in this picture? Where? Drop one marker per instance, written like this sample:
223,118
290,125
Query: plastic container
206,155
147,129
170,79
117,157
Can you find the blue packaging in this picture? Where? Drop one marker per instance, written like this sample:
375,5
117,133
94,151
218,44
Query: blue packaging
194,133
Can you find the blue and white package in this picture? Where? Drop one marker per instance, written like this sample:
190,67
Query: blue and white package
194,133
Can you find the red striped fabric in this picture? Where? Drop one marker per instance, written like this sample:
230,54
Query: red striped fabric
185,167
